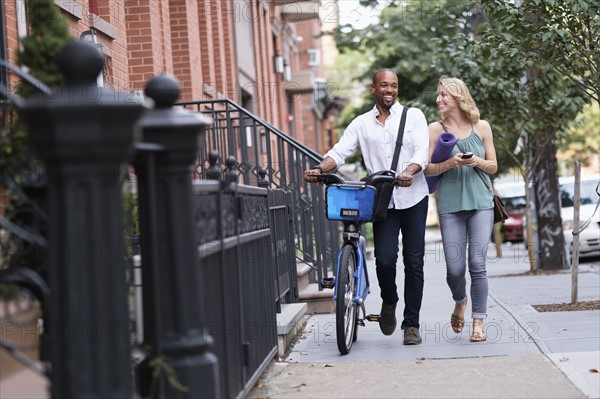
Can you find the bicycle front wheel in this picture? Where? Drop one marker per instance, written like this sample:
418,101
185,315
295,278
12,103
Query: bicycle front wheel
345,307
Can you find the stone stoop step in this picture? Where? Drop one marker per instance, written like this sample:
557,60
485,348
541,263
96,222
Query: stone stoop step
290,323
317,301
302,270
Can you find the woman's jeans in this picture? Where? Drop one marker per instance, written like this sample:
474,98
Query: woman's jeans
459,229
411,222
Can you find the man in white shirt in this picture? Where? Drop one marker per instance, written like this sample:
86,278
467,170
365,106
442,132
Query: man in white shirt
375,132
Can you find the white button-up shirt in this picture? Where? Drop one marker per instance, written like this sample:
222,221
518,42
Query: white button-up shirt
377,143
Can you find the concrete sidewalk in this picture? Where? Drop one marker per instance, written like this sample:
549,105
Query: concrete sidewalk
527,354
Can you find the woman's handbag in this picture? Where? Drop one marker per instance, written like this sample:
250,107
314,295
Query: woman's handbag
385,190
500,214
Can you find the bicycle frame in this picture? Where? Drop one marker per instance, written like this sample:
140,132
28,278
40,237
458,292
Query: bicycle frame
361,276
353,204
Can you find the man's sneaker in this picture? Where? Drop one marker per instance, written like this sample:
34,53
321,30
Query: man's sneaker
387,321
412,336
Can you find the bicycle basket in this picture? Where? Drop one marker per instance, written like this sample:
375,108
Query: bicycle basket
348,202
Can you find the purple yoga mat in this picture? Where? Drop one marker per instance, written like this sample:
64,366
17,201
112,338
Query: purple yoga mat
441,152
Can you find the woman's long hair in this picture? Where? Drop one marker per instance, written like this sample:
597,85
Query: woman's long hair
459,91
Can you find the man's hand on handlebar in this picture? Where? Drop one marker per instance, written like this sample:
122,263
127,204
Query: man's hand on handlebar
404,180
310,175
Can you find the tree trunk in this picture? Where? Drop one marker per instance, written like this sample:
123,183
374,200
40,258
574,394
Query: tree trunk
545,182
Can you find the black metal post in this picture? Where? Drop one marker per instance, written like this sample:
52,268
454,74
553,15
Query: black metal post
83,133
173,332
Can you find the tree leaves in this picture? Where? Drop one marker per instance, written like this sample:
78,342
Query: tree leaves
48,33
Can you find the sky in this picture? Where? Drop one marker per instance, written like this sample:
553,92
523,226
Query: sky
351,12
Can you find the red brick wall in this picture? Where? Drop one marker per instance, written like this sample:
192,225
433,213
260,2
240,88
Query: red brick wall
114,47
194,40
217,51
261,65
186,47
10,20
205,29
148,40
229,66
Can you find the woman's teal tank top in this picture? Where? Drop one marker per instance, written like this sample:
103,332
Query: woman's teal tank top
462,189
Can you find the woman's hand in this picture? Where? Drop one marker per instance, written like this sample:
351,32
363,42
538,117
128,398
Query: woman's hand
471,162
455,162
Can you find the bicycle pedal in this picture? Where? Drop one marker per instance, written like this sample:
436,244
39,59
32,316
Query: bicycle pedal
373,317
328,282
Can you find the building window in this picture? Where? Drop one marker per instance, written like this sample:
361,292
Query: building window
314,57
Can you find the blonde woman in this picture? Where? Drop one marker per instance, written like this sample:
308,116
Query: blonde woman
465,204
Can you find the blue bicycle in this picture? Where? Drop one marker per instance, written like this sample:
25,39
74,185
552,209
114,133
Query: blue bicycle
351,203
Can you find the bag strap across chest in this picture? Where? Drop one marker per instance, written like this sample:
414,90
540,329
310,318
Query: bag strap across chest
399,139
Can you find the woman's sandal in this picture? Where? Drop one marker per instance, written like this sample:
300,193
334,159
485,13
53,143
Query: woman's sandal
457,323
478,336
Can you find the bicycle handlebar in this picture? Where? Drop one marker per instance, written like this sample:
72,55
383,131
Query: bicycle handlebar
373,180
329,178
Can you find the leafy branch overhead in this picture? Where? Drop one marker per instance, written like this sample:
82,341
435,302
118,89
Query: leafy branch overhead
531,68
563,34
479,42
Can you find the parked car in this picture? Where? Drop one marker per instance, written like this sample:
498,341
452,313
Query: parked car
513,197
589,238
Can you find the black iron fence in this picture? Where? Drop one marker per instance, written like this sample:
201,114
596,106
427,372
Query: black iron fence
236,263
207,261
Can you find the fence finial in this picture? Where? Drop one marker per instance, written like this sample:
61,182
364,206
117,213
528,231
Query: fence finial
163,89
231,174
214,171
262,181
80,62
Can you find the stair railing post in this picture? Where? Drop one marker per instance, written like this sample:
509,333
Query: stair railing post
84,133
173,302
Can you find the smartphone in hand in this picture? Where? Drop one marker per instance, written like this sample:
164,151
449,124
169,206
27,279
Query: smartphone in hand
467,155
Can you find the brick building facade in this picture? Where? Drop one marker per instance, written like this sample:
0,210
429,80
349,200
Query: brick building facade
216,48
265,55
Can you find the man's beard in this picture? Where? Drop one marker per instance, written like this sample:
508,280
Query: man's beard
386,106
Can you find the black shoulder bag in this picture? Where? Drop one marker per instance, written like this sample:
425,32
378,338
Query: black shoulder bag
385,190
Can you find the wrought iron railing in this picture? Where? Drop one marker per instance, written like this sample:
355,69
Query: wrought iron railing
259,147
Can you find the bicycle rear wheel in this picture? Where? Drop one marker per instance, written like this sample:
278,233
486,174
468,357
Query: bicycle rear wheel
345,307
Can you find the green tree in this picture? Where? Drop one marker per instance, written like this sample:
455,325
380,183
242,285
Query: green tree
582,138
48,33
422,41
527,100
562,34
541,36
404,40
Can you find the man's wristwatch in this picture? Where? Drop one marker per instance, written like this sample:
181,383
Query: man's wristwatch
319,168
